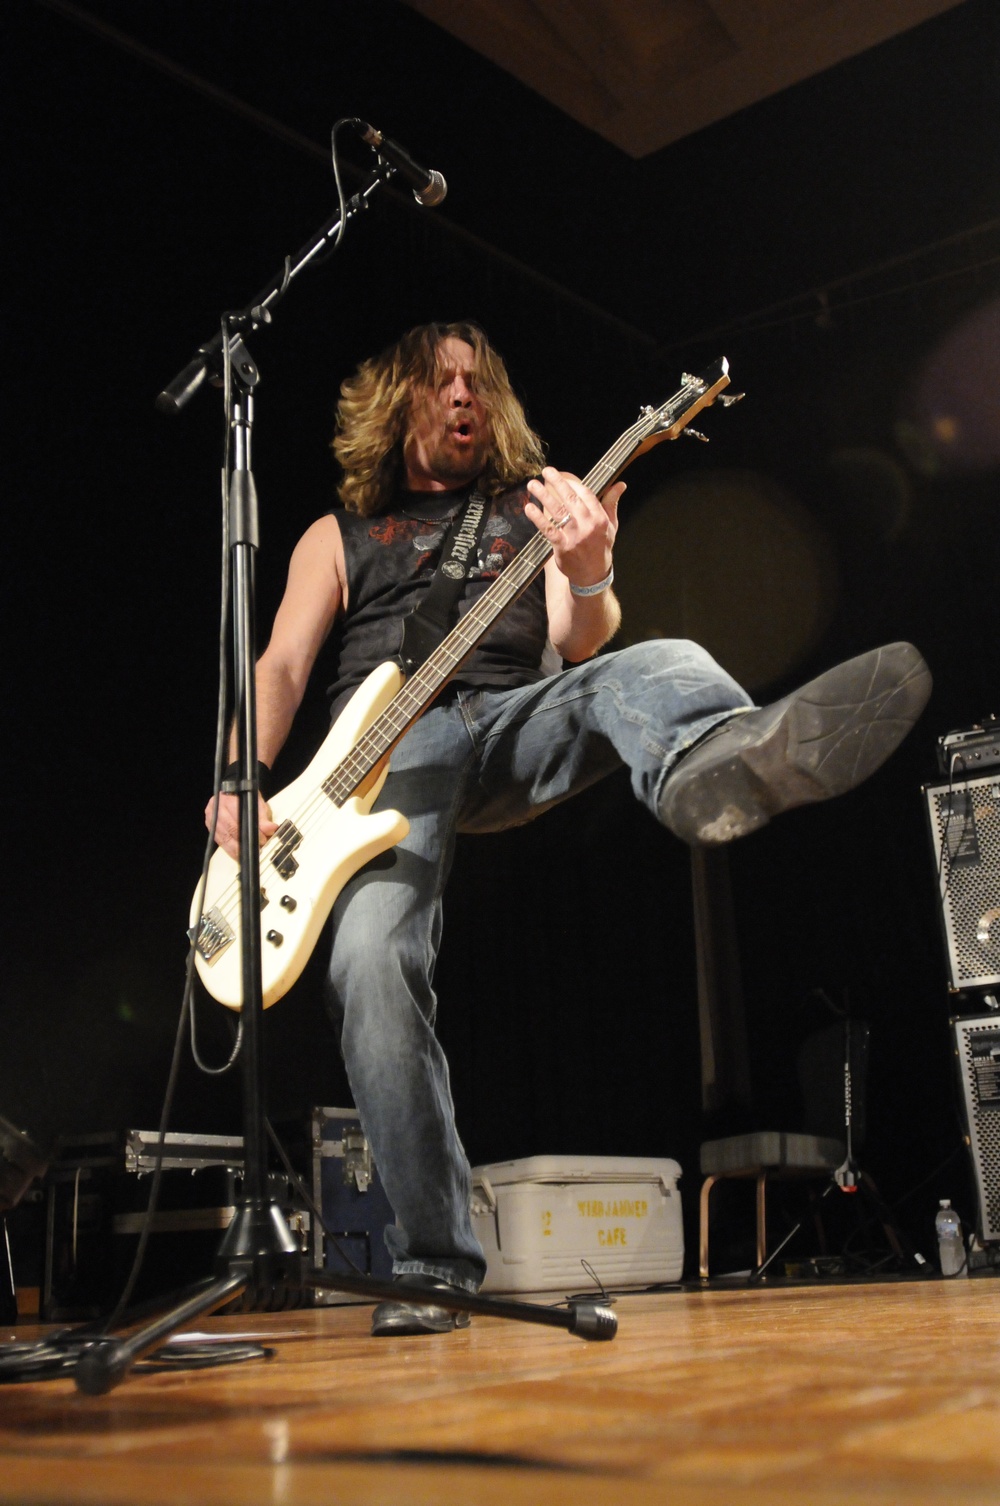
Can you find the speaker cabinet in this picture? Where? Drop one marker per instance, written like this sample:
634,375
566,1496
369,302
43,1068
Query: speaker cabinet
964,818
977,1050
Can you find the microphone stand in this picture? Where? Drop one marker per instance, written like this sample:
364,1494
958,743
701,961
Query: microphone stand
258,1255
849,1177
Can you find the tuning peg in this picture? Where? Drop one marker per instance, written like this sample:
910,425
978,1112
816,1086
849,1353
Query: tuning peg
695,434
729,398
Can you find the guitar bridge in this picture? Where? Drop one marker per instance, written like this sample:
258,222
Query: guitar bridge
214,936
288,837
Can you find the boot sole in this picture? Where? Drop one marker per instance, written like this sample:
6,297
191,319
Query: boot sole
821,741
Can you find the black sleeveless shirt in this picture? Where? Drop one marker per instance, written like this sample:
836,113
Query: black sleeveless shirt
391,559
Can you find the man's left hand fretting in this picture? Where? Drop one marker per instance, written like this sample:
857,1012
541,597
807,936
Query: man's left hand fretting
580,526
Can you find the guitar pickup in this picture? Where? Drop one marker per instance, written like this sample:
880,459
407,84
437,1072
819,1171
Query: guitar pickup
214,935
288,837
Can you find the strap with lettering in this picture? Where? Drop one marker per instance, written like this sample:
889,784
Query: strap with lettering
431,622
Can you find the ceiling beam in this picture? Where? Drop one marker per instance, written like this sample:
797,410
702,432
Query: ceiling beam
741,20
584,29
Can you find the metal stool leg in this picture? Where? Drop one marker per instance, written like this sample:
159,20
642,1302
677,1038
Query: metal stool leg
706,1188
761,1217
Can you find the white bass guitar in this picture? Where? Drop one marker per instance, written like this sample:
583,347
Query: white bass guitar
327,830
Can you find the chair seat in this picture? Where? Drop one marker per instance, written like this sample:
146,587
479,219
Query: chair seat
763,1154
769,1150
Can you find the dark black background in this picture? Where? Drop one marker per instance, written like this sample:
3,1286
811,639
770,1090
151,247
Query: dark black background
139,207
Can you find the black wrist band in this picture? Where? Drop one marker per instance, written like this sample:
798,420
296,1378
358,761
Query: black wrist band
231,775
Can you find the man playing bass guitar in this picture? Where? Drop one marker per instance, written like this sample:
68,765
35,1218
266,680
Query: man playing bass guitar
531,716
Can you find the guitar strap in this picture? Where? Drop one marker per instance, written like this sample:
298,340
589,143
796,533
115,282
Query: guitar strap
429,624
458,555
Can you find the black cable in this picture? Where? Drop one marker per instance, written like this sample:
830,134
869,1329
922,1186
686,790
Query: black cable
60,1353
953,762
605,1296
221,720
157,1176
957,1150
341,199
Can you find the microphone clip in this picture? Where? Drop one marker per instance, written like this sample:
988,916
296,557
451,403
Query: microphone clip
428,186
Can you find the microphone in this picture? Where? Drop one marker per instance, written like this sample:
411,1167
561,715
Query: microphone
429,187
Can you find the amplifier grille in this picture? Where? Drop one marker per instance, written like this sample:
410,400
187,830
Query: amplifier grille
977,1046
965,832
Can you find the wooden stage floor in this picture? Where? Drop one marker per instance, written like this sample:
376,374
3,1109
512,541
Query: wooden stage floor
836,1394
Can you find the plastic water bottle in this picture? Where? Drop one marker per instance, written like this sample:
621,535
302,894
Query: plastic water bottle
951,1245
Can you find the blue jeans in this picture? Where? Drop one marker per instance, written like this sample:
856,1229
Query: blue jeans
481,761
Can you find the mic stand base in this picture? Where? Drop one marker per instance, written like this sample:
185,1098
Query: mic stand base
258,1268
849,1178
265,1275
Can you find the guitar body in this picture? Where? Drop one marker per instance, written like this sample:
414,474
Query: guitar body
336,840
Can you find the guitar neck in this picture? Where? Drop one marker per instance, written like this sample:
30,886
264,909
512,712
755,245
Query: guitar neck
424,684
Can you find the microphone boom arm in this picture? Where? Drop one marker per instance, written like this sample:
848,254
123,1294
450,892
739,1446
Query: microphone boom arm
207,361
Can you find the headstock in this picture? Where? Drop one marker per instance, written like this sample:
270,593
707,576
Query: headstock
696,393
665,422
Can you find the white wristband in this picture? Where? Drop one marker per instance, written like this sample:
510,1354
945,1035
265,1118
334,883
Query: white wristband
602,585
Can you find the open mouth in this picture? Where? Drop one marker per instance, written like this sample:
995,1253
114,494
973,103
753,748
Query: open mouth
462,430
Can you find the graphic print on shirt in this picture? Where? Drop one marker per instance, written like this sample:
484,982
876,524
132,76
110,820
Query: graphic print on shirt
427,535
392,530
495,551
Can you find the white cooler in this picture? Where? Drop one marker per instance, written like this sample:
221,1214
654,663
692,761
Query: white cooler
538,1219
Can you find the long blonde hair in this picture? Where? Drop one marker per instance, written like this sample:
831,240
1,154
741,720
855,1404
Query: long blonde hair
375,404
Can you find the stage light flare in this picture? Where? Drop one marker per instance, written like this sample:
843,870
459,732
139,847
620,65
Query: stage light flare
951,421
732,560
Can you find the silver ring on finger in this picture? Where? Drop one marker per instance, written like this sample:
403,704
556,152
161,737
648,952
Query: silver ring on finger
561,522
